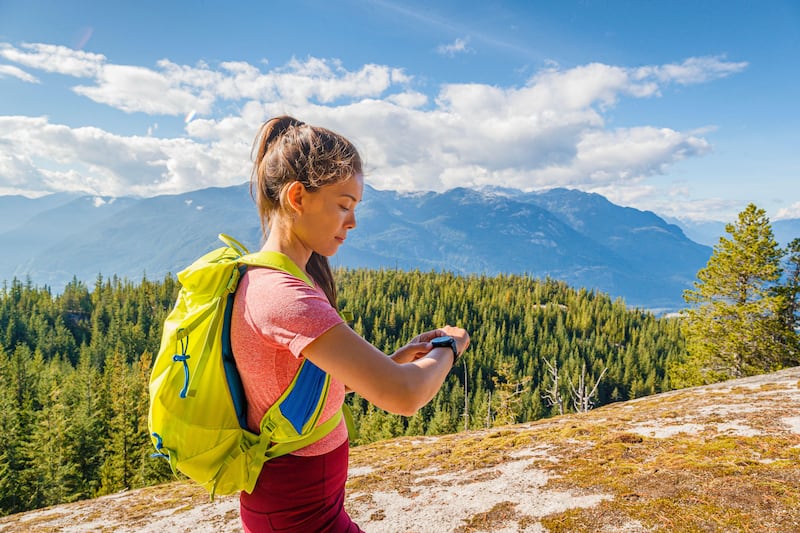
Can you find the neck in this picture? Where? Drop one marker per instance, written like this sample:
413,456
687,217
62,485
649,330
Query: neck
280,240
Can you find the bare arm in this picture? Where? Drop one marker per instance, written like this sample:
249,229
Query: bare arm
394,387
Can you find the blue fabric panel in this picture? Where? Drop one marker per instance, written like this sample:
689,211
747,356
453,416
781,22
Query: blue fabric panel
229,363
300,404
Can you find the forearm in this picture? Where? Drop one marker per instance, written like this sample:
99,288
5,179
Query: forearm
429,374
397,388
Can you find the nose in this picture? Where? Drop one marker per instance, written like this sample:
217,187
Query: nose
350,222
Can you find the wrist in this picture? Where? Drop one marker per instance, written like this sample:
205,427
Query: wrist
447,341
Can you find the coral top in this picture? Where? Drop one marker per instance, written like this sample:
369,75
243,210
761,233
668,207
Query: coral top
275,316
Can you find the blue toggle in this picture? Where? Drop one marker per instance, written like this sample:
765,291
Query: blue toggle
182,357
159,445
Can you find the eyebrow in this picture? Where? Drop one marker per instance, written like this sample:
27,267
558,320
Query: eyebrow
349,196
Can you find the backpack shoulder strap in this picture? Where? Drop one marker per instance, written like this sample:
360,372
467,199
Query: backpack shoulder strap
275,260
280,261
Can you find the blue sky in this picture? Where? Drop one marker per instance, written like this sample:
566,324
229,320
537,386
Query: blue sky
688,109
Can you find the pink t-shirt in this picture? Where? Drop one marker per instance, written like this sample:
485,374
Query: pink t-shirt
275,316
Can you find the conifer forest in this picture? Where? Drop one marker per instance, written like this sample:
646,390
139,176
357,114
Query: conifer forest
74,367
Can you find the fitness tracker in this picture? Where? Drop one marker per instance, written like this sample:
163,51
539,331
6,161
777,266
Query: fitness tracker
444,342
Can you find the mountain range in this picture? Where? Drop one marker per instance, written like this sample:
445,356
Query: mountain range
708,232
580,238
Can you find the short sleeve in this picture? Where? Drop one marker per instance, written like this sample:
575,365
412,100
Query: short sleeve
288,311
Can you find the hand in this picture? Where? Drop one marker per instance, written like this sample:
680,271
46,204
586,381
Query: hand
428,336
459,334
418,347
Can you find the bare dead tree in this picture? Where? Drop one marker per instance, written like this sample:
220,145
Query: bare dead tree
552,395
489,418
466,397
581,400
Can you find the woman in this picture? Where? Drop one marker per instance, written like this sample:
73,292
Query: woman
307,182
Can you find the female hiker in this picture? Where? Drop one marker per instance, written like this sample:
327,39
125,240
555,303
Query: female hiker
307,182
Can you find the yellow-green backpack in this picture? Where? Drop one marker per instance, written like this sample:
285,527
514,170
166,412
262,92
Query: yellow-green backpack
198,413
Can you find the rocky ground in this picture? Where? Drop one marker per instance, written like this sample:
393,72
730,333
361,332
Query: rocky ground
724,457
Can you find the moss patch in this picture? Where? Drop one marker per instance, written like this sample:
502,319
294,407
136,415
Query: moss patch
491,520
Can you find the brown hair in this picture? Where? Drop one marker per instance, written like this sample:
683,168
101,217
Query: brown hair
287,150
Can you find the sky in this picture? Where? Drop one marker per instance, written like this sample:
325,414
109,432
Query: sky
685,108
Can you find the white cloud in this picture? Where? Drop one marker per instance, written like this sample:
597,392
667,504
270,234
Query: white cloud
53,157
410,99
793,211
693,70
459,46
633,152
16,72
138,89
172,89
53,58
551,131
697,210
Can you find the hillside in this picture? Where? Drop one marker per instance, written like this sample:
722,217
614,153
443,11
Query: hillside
723,457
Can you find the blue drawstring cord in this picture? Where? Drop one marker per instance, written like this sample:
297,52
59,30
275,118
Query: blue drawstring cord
182,357
159,445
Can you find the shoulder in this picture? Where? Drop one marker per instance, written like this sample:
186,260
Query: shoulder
263,278
283,308
267,291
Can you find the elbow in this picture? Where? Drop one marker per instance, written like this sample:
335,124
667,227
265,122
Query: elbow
408,410
406,399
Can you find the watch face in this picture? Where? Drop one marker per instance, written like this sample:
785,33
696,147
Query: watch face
446,342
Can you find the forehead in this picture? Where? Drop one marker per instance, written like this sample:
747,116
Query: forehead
352,187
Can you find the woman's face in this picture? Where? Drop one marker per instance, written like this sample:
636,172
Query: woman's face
328,214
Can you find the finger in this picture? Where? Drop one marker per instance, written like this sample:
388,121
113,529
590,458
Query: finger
425,346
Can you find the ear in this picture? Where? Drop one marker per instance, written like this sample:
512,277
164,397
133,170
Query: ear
295,196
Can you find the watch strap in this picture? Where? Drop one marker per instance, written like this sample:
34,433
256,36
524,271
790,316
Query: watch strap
447,341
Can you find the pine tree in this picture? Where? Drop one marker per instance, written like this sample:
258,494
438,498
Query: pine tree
507,398
442,421
416,425
11,462
86,431
121,458
789,291
50,466
22,375
733,327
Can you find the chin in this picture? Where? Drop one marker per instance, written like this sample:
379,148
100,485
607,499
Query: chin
332,251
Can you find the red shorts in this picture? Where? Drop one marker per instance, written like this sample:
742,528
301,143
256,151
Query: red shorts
299,494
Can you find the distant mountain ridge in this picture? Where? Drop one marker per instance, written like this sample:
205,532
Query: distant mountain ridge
580,238
709,232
